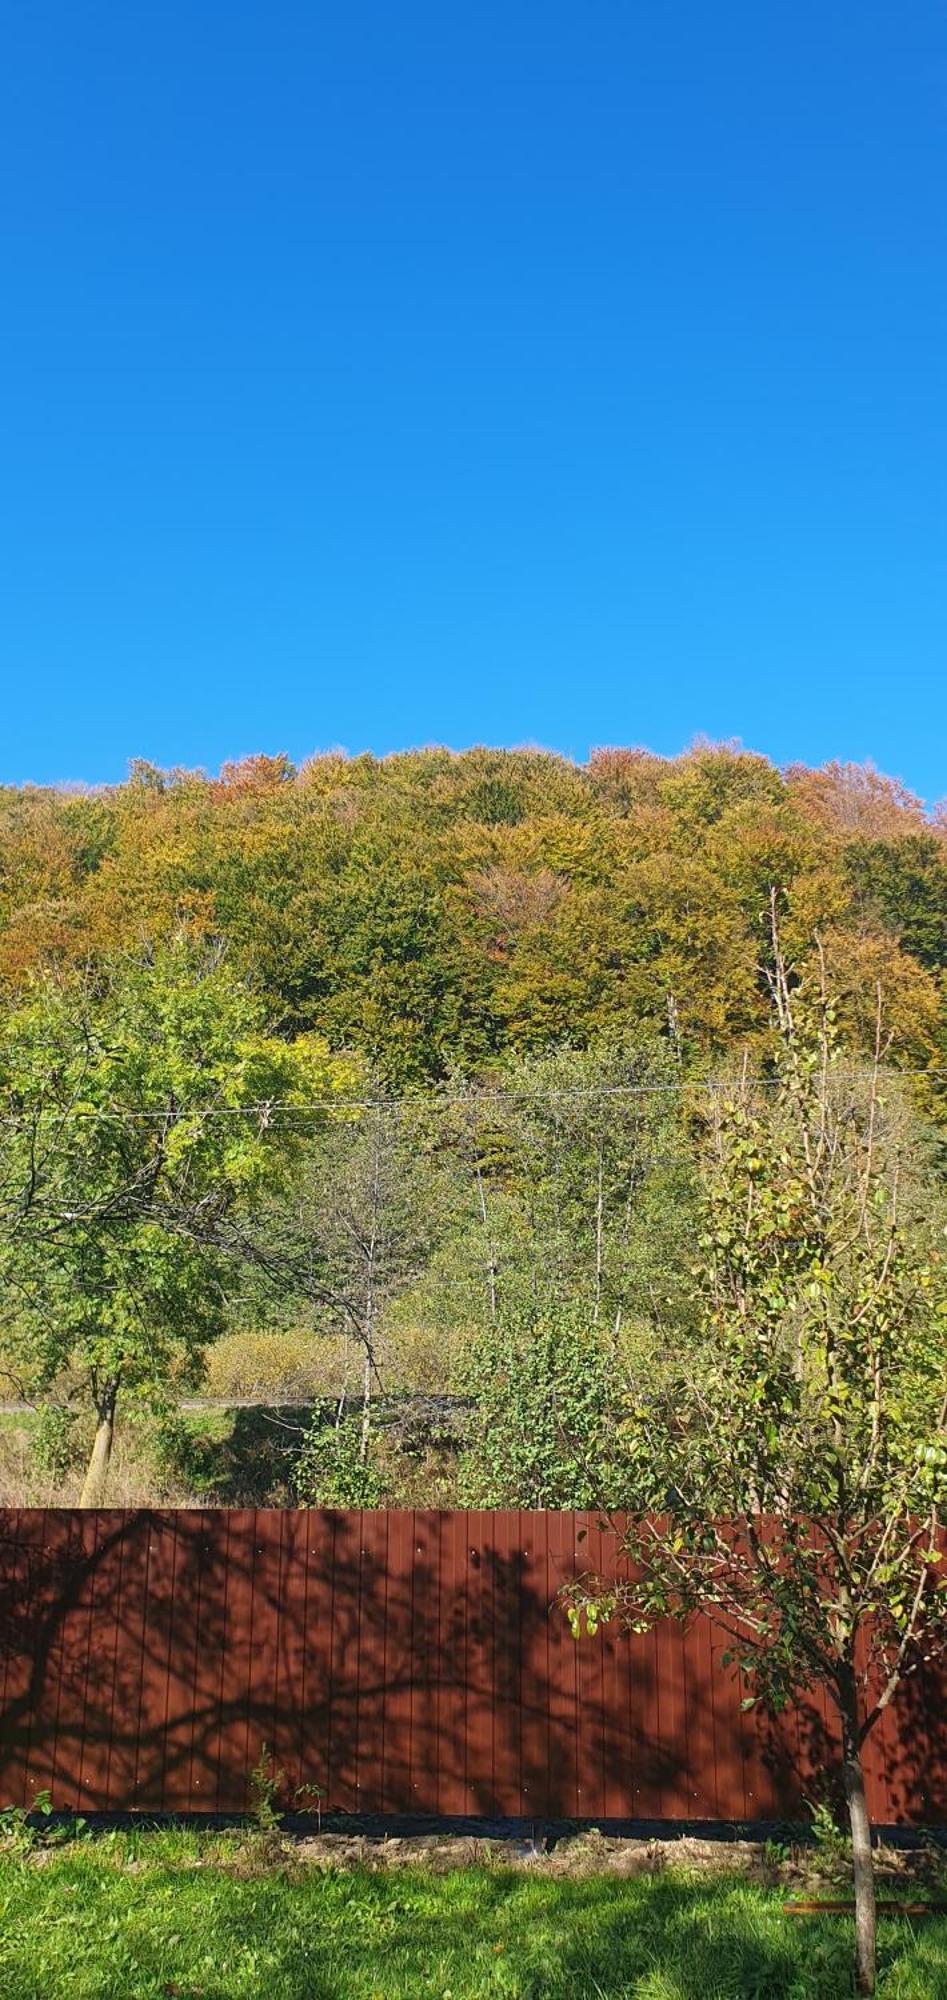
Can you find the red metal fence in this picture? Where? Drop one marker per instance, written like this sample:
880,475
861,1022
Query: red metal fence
402,1663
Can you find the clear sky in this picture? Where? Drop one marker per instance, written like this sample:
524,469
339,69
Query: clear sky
384,374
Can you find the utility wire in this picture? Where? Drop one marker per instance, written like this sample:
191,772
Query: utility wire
475,1101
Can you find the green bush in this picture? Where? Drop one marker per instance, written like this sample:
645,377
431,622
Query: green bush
58,1440
547,1414
331,1470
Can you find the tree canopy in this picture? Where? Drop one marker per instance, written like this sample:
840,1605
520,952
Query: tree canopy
125,1166
435,910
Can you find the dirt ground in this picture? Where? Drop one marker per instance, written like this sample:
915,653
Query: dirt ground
817,1868
591,1852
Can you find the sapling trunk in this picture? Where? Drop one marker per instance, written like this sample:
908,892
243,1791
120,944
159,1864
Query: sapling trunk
97,1470
863,1867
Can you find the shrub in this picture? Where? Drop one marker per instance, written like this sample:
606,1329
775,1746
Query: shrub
280,1364
331,1470
58,1440
546,1416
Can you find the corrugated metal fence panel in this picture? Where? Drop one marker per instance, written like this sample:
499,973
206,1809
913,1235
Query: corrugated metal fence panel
391,1663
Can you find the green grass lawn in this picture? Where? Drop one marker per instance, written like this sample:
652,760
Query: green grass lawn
145,1917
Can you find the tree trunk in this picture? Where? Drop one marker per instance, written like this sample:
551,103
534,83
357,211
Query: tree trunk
366,1402
863,1866
94,1483
599,1236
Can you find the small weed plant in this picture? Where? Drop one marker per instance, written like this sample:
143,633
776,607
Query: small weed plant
24,1828
833,1847
267,1786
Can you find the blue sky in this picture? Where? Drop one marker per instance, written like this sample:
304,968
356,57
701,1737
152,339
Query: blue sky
375,375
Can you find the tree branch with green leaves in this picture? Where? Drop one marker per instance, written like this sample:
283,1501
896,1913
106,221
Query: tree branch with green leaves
790,1477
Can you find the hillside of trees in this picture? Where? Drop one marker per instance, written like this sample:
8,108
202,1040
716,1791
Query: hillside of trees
384,1084
435,912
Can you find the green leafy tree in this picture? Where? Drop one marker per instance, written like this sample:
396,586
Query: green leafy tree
792,1473
579,1187
547,1407
903,883
126,1165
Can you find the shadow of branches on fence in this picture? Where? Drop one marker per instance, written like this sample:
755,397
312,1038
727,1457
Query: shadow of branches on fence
392,1663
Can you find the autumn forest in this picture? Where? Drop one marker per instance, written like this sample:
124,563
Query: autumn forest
379,1088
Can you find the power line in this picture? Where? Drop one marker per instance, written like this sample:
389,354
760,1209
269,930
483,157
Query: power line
432,1101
